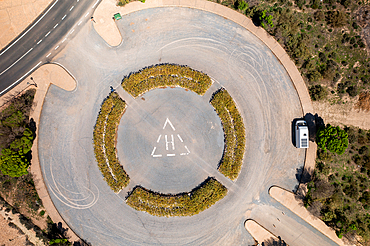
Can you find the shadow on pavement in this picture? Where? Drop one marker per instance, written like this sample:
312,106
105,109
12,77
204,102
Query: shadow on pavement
274,242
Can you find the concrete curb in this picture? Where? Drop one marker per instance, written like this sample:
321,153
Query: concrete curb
259,233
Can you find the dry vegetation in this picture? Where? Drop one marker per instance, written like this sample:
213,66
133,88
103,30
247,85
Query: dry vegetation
234,131
339,191
166,75
184,204
363,102
106,125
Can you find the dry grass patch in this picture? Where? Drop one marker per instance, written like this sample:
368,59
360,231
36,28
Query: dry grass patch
105,130
363,101
166,75
234,130
184,204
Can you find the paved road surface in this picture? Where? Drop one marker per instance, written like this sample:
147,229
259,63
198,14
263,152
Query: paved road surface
236,60
45,37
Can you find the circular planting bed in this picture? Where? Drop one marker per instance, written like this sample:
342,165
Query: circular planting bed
165,156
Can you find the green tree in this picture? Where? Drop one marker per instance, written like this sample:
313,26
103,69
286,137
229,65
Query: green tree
332,138
24,144
265,18
13,160
13,164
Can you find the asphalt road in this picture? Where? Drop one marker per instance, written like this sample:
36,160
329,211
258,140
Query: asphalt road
236,60
42,40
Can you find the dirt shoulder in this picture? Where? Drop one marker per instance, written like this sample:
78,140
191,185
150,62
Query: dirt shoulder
16,15
342,114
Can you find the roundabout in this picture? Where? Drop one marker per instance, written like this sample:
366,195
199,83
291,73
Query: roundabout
236,60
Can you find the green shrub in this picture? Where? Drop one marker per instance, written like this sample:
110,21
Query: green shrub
234,131
242,5
14,161
332,138
184,204
265,19
104,142
166,75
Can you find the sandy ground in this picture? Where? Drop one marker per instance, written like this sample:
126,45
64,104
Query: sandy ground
16,15
10,236
342,114
104,23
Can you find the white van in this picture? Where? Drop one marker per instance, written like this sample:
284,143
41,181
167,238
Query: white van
301,134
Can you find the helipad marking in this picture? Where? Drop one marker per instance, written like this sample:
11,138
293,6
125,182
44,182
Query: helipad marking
169,141
169,122
154,150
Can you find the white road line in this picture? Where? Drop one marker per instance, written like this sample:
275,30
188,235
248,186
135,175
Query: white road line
16,61
159,138
64,17
39,41
153,151
47,34
171,154
20,78
165,137
95,4
64,40
48,55
29,28
56,25
183,154
56,47
72,31
71,8
178,135
79,23
157,155
87,14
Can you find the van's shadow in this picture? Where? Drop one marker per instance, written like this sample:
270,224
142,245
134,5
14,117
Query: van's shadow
314,122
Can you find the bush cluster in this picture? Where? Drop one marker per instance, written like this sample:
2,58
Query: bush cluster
15,160
234,130
185,204
332,138
166,75
104,142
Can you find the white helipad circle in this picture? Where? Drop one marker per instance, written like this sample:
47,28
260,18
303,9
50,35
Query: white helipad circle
169,139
